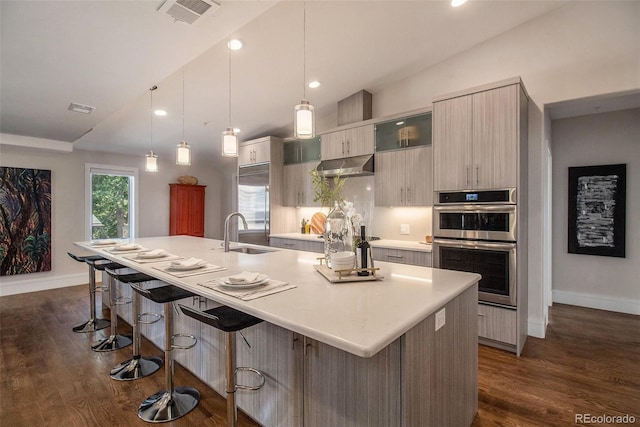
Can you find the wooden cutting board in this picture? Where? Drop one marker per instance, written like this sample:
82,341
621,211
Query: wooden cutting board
317,223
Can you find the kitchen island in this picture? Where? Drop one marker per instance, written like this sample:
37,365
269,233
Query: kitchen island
347,354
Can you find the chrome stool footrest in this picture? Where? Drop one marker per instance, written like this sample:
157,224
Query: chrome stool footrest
155,318
191,344
254,371
122,300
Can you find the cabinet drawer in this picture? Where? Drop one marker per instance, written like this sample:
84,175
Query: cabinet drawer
278,242
496,323
400,256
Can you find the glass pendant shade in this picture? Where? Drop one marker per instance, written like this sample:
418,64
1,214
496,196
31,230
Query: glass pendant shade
183,154
151,162
229,143
303,120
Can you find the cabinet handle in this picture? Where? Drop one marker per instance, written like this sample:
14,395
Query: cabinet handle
306,344
288,244
408,194
401,195
395,256
467,182
342,147
293,341
477,175
481,314
348,147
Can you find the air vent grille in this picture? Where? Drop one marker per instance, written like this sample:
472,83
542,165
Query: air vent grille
188,11
81,108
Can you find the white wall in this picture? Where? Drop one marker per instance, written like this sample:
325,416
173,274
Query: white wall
67,205
600,282
581,49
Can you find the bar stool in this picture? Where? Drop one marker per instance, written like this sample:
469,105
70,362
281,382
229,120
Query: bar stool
229,321
172,402
93,324
138,366
113,341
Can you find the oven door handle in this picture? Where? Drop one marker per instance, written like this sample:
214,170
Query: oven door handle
474,208
474,244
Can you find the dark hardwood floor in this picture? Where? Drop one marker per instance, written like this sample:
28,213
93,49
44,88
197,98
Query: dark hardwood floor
589,363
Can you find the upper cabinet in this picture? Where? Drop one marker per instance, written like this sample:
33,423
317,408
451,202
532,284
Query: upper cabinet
301,151
477,139
254,151
403,177
356,141
403,132
186,210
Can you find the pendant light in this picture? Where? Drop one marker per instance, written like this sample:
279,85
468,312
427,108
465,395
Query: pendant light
183,151
304,125
151,158
229,137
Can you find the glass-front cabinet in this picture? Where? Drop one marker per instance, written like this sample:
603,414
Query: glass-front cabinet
302,151
404,132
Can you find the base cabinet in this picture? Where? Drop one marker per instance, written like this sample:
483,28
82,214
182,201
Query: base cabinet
402,256
297,245
497,324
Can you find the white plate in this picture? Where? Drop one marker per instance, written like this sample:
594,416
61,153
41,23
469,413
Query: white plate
127,248
142,255
188,267
102,242
261,281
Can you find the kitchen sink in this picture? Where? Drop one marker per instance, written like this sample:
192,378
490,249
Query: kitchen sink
252,251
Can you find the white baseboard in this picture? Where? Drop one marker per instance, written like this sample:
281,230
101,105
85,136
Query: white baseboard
536,328
40,284
599,302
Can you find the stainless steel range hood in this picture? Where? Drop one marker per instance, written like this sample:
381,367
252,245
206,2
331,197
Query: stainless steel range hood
348,166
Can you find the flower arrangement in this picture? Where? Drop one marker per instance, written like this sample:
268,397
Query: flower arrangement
326,190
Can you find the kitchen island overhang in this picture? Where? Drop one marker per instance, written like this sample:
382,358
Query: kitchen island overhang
358,318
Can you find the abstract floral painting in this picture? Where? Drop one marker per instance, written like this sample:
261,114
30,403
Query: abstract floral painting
25,220
597,210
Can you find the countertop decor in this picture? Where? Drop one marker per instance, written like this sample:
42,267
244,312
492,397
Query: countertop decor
187,179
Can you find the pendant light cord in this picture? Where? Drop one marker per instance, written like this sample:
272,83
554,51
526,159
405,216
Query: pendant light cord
304,50
229,88
154,87
183,103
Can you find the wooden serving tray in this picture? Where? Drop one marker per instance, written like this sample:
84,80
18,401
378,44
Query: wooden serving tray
334,277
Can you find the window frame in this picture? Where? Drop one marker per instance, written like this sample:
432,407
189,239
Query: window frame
96,168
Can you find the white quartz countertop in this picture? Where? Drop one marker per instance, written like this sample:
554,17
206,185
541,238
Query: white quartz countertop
382,243
358,317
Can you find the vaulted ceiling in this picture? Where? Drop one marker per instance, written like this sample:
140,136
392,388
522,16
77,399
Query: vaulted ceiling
107,54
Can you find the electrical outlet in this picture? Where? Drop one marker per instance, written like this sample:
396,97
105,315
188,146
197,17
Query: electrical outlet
404,228
441,318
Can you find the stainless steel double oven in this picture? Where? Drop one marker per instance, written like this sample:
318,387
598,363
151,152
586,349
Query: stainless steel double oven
475,231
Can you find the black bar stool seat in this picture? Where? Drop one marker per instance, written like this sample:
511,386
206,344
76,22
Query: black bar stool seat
230,321
172,402
138,366
114,341
94,323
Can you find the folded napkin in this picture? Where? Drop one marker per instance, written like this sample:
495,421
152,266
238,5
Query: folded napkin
190,262
152,254
243,278
126,246
270,288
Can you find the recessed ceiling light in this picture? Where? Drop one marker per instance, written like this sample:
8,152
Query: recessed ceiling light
399,123
81,108
160,113
234,44
456,3
314,84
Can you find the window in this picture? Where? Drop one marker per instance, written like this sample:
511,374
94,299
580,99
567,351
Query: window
111,201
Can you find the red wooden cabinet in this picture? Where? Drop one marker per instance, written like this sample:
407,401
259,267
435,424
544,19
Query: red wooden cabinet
186,210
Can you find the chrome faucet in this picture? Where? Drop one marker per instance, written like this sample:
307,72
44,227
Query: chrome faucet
227,223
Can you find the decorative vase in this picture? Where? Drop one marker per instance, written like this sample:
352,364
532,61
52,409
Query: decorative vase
338,233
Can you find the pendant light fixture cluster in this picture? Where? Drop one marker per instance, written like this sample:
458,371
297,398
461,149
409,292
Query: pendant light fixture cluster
183,151
151,158
229,138
303,120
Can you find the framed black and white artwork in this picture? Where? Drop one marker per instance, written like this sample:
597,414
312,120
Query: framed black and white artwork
597,210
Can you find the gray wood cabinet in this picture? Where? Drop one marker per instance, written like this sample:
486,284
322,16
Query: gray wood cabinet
297,244
356,141
298,188
476,139
402,256
254,151
497,324
404,178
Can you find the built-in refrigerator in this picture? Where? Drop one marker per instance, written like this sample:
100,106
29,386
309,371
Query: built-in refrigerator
253,203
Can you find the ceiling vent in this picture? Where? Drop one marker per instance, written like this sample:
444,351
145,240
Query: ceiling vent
81,108
188,11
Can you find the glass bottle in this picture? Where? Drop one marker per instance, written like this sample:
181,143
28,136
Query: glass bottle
338,233
364,249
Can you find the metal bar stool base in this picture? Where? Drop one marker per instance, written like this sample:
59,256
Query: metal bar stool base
112,343
92,325
165,406
136,368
